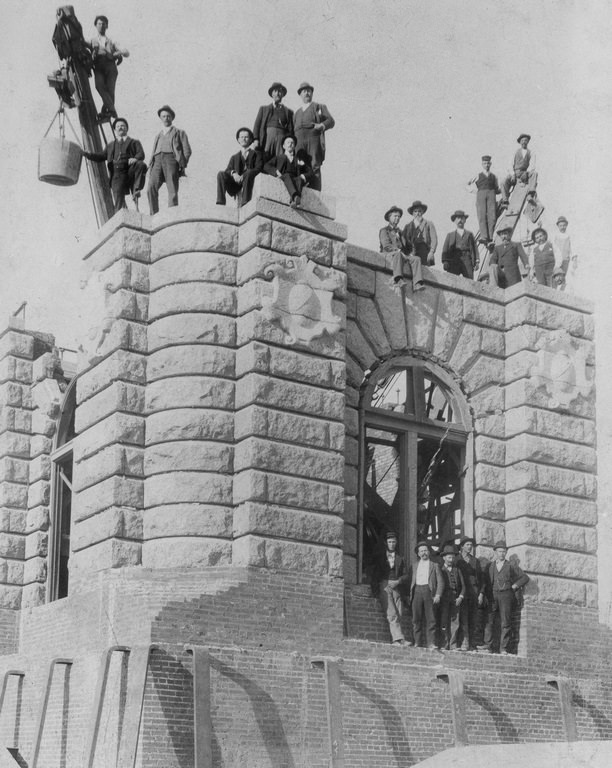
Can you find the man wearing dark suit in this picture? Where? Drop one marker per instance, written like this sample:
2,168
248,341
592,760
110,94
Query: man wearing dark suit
389,577
426,587
311,122
487,187
421,234
125,160
169,158
452,602
392,242
503,580
238,178
503,264
459,252
273,122
474,592
292,169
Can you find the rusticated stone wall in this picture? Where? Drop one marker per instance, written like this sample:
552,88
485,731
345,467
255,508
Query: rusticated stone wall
524,359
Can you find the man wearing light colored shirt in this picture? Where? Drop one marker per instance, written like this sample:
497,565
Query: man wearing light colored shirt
169,158
523,168
106,55
425,592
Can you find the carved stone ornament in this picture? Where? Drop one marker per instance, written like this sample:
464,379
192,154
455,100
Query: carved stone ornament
301,302
561,369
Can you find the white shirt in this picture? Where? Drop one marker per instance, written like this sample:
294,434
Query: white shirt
422,574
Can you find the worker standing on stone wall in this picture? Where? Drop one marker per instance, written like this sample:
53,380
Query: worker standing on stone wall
106,56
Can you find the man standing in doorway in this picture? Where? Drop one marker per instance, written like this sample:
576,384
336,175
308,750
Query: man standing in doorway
474,592
425,592
169,158
390,576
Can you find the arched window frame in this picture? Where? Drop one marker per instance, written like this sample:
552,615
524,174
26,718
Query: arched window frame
408,426
61,495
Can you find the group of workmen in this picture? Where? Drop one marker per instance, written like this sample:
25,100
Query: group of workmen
447,594
415,246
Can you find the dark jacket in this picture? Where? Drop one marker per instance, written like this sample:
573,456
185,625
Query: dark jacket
180,147
383,571
132,148
282,164
450,594
391,239
254,162
510,576
454,246
472,575
436,580
264,116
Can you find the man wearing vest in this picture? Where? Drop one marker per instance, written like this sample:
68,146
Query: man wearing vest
426,589
452,604
523,168
273,122
459,252
503,264
421,234
389,577
403,262
474,592
487,187
503,582
169,158
124,157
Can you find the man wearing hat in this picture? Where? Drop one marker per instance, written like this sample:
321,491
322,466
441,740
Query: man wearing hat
311,122
292,169
421,234
543,257
459,253
124,157
452,603
392,241
273,122
503,580
169,158
390,576
474,592
487,187
563,251
523,168
503,263
239,176
106,55
426,587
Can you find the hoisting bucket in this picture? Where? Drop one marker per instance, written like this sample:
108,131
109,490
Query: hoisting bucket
59,161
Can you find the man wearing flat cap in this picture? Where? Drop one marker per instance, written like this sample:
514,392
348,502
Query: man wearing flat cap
474,592
503,263
392,241
389,578
487,187
238,178
426,587
523,168
311,121
124,157
421,234
169,158
106,56
459,252
273,122
503,581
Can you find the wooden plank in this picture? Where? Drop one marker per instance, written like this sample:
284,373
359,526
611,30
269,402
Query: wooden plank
42,714
202,722
331,672
454,678
136,681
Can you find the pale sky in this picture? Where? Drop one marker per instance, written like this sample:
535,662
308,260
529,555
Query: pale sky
420,89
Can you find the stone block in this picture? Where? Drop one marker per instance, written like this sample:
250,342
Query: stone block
185,487
279,522
11,393
34,570
13,495
254,295
269,188
10,596
290,364
186,552
553,479
351,480
544,533
491,425
192,328
487,314
349,568
555,317
178,268
191,519
123,460
295,241
350,510
38,493
189,424
361,280
15,369
297,217
354,373
14,470
17,344
351,451
259,421
287,458
38,519
43,425
358,346
253,233
489,505
12,546
529,447
191,359
551,506
557,590
39,445
467,348
190,236
190,392
288,395
339,255
14,444
560,426
120,366
188,455
113,492
284,556
117,428
420,312
490,450
447,323
541,394
114,522
592,590
351,306
249,551
351,421
488,402
490,478
124,243
119,396
127,304
192,297
370,324
487,532
550,562
256,263
255,485
36,544
519,365
350,540
111,553
390,306
484,373
521,338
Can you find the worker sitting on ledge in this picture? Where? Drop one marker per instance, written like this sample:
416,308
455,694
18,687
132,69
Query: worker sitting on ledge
292,168
404,263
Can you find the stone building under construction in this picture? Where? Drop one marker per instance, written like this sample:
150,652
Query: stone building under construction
189,511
